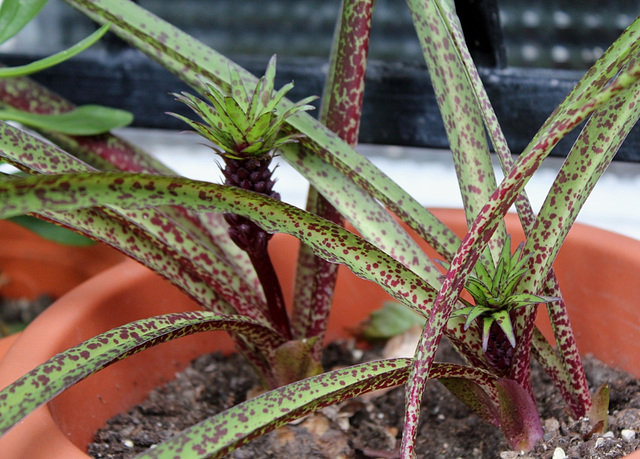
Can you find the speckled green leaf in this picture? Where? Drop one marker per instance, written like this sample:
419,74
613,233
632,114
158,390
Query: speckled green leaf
589,157
458,48
591,154
238,425
367,216
486,223
603,135
67,368
329,241
569,386
450,69
108,152
315,278
105,152
164,244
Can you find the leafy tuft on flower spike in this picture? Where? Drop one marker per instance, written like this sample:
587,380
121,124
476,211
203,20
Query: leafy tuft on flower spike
494,299
243,124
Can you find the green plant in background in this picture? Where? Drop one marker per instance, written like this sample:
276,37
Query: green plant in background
86,120
164,221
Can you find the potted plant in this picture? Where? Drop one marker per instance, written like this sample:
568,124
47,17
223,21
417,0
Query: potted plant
230,273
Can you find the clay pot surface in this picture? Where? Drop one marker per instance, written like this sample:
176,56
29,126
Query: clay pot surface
34,266
597,270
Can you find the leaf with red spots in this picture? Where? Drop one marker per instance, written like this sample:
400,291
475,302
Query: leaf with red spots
451,71
584,102
340,111
161,239
67,368
238,425
106,152
139,191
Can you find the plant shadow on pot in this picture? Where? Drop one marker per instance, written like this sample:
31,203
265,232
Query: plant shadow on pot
591,266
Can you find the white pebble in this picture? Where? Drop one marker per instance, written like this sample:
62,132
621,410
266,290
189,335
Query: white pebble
609,434
628,434
559,453
128,443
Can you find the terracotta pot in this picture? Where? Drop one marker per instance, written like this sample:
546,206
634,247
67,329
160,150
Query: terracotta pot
128,292
36,266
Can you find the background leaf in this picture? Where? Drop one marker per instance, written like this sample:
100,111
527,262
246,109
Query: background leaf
15,14
54,59
389,321
84,120
52,232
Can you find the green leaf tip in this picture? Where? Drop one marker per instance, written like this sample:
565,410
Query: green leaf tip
56,58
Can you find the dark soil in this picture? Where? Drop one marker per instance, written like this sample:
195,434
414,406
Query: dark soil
370,427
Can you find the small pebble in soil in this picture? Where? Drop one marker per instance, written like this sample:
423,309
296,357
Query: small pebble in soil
628,434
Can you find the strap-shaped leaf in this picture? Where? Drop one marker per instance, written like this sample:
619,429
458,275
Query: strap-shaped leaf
367,216
435,23
593,151
69,367
238,425
554,366
329,241
105,152
591,154
108,152
484,226
198,260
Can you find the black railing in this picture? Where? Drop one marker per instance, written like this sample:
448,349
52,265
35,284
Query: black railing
399,106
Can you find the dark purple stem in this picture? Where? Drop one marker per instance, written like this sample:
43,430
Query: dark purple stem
272,292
